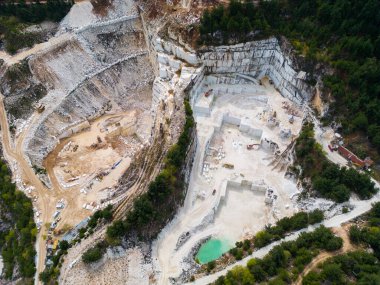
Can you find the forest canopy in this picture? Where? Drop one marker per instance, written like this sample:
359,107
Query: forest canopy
18,232
345,34
328,179
36,11
15,16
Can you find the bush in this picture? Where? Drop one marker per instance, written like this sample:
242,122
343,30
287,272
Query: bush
116,230
239,254
152,210
246,244
257,270
339,193
64,245
315,217
355,235
18,235
239,275
334,244
360,121
93,254
210,266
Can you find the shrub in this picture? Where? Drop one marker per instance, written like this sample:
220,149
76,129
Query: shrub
334,244
210,266
93,254
152,210
64,245
315,217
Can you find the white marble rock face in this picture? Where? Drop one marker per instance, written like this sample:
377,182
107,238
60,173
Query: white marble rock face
258,59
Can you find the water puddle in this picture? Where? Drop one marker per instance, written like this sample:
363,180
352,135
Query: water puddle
213,249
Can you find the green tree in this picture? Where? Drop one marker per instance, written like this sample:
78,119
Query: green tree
257,270
360,121
233,26
115,230
64,245
92,255
315,217
355,234
239,275
246,26
340,193
333,273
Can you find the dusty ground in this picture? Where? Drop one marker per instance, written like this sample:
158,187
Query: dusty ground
239,212
238,219
96,154
119,263
90,163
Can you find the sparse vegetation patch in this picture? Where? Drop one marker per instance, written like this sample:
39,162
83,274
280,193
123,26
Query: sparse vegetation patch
328,179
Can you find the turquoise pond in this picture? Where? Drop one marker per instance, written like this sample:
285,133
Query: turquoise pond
212,249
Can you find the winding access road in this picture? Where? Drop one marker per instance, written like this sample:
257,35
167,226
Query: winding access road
14,155
47,198
323,256
335,222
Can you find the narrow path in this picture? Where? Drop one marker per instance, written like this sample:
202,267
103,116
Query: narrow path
361,207
14,154
323,256
51,43
46,198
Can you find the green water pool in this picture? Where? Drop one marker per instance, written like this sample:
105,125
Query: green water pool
212,249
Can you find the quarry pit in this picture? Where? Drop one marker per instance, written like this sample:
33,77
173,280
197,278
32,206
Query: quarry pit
112,89
237,184
94,159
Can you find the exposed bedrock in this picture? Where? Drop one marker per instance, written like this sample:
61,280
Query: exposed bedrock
124,86
108,66
100,68
114,41
255,60
259,59
20,90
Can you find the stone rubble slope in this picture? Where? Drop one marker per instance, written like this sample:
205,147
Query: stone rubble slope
81,15
113,71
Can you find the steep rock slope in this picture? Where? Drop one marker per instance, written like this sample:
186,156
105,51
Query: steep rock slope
259,59
117,88
113,74
20,89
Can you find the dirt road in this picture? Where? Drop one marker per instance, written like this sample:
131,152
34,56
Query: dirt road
14,154
47,198
361,207
51,43
323,256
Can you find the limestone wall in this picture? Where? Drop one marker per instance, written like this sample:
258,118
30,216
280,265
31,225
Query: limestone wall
248,62
259,59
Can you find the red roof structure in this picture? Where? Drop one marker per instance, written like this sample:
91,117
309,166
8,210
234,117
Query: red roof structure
353,158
